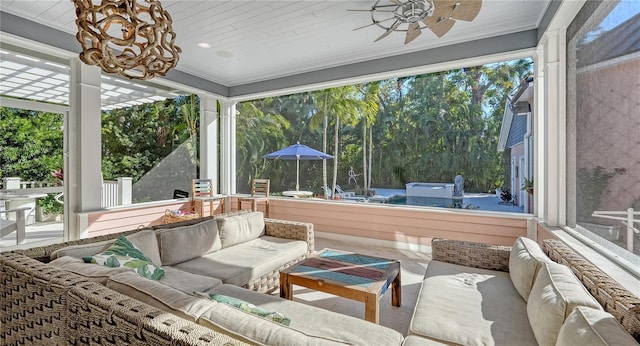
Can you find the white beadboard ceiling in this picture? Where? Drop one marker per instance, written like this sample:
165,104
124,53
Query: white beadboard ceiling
257,40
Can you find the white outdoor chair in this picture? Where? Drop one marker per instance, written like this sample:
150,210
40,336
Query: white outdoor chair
9,226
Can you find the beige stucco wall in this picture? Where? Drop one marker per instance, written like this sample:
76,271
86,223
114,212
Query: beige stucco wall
608,124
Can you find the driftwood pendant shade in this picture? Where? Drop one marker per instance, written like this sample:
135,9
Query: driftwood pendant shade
132,38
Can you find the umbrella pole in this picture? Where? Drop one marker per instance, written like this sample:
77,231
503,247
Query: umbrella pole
298,173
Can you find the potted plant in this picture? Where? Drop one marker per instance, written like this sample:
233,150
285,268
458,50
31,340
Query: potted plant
528,185
48,209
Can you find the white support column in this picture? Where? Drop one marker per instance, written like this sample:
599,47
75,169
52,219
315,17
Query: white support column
82,147
232,150
228,147
209,137
551,129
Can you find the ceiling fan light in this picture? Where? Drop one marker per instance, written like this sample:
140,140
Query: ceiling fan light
412,16
414,11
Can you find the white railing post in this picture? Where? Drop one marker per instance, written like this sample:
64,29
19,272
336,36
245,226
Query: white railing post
124,190
627,218
11,183
630,229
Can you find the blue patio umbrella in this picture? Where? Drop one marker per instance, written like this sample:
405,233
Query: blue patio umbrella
298,152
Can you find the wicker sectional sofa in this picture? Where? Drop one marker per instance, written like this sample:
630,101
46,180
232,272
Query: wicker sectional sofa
67,301
479,294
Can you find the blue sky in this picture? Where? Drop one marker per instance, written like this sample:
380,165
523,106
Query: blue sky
623,11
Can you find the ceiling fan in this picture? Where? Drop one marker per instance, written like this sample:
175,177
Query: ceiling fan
412,16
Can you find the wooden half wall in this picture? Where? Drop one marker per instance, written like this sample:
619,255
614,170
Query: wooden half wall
402,224
366,220
118,219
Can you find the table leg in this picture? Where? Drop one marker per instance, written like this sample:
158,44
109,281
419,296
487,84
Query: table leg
396,290
286,288
371,308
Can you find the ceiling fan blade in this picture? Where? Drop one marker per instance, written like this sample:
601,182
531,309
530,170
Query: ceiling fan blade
413,32
370,10
390,5
466,10
374,23
390,30
439,26
397,2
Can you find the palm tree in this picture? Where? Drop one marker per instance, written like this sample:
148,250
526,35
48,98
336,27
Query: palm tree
367,118
341,104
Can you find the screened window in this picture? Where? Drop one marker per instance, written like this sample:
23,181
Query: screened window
603,126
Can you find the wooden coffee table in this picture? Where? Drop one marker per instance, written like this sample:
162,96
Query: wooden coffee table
349,275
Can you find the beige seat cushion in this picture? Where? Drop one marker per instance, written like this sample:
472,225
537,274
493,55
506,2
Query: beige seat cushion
309,325
525,261
158,295
188,282
586,326
555,293
470,306
99,274
144,240
181,244
244,262
237,229
414,340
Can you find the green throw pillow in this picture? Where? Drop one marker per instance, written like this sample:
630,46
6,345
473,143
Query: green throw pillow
122,253
245,306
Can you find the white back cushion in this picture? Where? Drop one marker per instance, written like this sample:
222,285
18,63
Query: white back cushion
181,244
555,293
144,240
586,326
241,228
525,261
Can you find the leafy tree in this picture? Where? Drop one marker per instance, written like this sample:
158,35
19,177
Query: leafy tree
30,144
258,133
428,127
135,139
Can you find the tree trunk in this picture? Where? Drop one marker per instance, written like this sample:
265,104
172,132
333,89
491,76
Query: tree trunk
370,158
364,156
335,157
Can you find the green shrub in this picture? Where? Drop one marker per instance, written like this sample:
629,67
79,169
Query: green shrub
49,205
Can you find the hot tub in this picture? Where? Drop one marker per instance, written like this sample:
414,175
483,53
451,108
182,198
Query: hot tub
434,190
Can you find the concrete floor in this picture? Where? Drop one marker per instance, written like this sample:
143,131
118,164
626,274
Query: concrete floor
37,234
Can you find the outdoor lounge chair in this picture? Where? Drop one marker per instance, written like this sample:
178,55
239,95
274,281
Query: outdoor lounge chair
349,196
340,192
